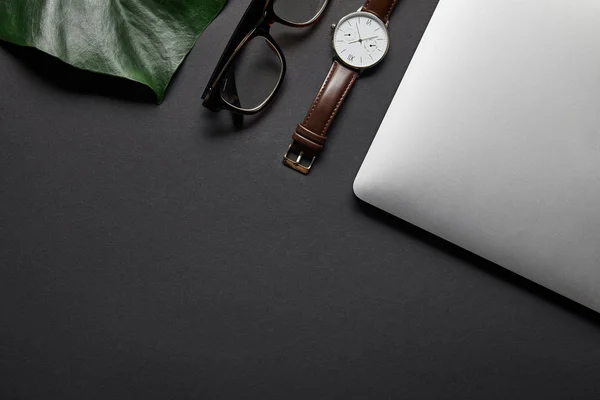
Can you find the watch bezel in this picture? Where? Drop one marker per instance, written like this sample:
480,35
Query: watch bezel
352,15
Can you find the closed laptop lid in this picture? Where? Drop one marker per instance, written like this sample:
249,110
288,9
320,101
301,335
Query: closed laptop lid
493,139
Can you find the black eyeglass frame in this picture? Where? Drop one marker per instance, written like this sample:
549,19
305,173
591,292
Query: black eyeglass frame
256,22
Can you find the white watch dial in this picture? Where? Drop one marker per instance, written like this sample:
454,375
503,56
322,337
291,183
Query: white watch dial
360,40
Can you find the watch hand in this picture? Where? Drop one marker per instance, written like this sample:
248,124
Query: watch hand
362,40
358,30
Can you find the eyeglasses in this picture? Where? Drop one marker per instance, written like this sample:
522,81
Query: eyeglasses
252,67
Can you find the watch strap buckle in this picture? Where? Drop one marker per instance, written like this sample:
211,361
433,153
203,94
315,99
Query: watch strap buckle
299,163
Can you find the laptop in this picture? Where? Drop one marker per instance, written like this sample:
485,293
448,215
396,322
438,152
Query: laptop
492,141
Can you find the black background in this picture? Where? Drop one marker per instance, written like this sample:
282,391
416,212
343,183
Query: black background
155,252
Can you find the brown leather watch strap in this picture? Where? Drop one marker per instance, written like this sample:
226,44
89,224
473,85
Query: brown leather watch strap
310,136
382,8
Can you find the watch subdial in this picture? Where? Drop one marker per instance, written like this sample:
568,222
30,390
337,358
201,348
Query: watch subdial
349,36
370,46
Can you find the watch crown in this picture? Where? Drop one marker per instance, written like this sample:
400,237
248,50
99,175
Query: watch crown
333,26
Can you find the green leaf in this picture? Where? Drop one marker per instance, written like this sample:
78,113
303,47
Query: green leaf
141,40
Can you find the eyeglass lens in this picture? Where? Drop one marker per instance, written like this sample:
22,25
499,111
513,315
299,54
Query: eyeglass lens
257,69
298,11
255,74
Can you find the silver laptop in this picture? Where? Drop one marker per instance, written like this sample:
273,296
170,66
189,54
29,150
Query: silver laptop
493,139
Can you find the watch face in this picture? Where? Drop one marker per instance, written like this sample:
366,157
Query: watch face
360,40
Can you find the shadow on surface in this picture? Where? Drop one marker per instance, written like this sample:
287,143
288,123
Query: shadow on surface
479,262
68,78
224,123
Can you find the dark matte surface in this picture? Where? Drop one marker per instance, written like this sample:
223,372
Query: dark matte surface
156,253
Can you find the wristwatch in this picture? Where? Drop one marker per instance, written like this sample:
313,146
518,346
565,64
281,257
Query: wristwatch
360,41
